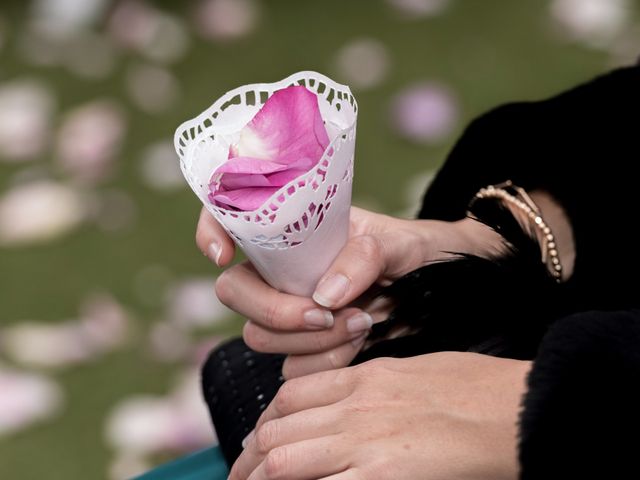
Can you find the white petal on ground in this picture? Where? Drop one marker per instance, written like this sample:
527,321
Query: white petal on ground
153,89
126,466
160,168
90,139
192,303
114,211
26,108
90,55
363,63
168,342
26,398
179,422
594,22
424,113
103,326
68,15
226,19
140,26
46,345
104,321
37,212
419,8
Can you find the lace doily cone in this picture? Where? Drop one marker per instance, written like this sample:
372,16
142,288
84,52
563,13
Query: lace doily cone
293,238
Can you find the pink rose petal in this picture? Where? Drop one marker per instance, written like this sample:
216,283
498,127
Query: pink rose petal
285,139
245,199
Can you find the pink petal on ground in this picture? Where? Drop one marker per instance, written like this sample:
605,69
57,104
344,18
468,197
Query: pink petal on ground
245,199
290,125
249,165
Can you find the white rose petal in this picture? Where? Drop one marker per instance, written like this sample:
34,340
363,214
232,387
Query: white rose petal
152,89
193,303
425,113
419,8
363,63
160,168
37,212
26,398
26,108
90,139
226,19
144,425
595,22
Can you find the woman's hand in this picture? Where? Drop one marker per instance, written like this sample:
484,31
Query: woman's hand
442,416
328,330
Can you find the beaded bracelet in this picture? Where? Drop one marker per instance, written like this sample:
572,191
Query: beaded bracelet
522,201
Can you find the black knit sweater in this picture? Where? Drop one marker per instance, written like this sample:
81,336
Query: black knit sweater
582,410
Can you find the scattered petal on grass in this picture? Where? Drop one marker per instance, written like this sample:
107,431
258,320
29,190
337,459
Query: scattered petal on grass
114,211
90,139
157,35
419,8
68,15
595,22
193,303
152,89
26,108
424,113
160,169
179,422
90,55
363,63
126,466
168,342
226,19
26,398
38,212
102,327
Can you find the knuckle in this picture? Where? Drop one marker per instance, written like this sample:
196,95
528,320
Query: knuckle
283,400
254,337
266,436
272,315
334,361
223,286
276,463
368,246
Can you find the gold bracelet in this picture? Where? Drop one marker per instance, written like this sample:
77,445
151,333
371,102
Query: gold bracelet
521,200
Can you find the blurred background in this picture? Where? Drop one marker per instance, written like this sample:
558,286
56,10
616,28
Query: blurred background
106,306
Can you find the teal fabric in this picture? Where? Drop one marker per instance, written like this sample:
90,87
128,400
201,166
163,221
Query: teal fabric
203,465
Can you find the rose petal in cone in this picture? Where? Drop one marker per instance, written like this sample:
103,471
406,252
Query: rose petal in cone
286,136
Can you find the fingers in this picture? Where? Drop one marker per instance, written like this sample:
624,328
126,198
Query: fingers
306,460
212,240
339,357
349,324
242,289
312,391
360,263
300,426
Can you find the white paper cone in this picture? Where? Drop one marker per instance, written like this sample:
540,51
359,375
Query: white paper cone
295,237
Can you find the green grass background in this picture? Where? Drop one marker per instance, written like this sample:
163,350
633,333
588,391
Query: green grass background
488,52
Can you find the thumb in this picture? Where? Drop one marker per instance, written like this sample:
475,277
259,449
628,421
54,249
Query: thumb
361,262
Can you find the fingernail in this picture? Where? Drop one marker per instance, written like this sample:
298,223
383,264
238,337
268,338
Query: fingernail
359,341
247,439
331,290
214,252
317,318
359,322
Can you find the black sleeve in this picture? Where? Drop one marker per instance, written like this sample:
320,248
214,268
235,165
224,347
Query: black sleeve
583,147
581,414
